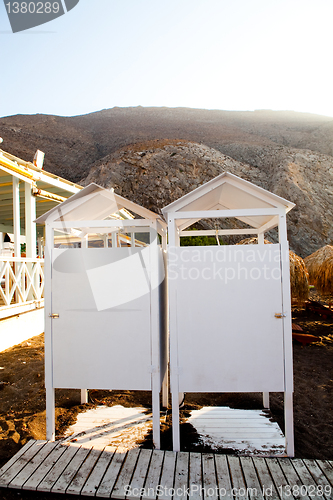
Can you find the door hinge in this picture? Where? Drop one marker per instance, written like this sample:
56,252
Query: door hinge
280,315
54,316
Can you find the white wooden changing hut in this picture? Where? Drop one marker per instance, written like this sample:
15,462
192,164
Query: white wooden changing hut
105,300
230,308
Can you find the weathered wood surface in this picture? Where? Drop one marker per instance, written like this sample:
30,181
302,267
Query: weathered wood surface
139,473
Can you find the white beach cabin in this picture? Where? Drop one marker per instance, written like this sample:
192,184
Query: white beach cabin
230,309
105,300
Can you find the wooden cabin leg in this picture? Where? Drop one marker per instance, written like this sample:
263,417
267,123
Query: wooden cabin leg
289,423
84,396
50,414
156,411
175,421
265,397
165,390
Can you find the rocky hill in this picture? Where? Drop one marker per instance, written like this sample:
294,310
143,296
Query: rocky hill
155,155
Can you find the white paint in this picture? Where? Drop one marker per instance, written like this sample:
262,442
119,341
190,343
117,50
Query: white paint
247,431
19,328
228,337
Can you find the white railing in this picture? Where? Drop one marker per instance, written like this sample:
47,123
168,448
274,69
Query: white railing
21,280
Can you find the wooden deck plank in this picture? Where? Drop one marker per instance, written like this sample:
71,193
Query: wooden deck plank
319,477
70,471
306,479
327,469
154,474
81,477
291,475
125,476
46,484
236,474
209,476
32,466
106,486
195,476
45,467
91,486
21,462
252,483
168,475
181,476
140,473
8,464
223,476
278,477
265,479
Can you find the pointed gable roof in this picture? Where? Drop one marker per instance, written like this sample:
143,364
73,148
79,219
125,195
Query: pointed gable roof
94,203
228,192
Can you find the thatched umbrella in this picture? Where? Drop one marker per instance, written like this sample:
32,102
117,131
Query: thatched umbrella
315,261
320,267
299,282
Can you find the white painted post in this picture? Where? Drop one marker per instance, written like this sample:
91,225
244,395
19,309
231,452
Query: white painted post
114,239
287,333
155,347
16,217
50,392
165,383
265,397
30,226
174,382
261,238
84,392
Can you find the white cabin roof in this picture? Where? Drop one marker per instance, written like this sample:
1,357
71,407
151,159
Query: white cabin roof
95,203
229,192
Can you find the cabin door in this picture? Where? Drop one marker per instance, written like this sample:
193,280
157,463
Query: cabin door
226,300
101,339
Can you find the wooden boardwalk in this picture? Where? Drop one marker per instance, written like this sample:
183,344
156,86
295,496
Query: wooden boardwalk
118,473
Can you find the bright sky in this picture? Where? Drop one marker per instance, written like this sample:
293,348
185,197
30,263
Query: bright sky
215,54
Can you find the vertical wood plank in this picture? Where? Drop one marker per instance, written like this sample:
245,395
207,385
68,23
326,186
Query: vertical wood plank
154,474
223,476
125,476
168,475
106,486
91,486
7,465
278,477
140,473
291,475
265,479
70,471
57,470
252,484
44,468
195,476
209,476
236,474
181,476
82,475
21,462
32,465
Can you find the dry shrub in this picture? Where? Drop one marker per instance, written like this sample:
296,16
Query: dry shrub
314,263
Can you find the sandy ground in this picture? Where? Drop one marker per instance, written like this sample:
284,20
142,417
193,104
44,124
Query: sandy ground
22,403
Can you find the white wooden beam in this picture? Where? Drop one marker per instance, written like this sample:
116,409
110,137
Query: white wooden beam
105,224
50,395
287,334
220,232
239,212
16,217
30,226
